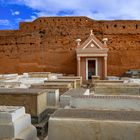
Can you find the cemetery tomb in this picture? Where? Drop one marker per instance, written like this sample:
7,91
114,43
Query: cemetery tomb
87,124
16,124
34,100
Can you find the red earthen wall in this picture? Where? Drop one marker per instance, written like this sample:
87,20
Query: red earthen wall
48,44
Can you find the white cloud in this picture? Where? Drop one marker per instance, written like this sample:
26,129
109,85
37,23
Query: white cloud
15,13
98,9
4,22
30,19
27,20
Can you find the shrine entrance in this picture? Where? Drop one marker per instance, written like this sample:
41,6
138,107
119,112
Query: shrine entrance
91,68
92,57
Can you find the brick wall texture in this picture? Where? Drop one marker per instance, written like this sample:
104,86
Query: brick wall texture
48,44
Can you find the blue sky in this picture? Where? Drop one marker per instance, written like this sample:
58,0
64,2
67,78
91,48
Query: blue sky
14,11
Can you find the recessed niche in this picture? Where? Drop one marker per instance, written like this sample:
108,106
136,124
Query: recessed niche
123,27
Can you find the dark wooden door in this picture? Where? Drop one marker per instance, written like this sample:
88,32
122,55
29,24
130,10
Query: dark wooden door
91,68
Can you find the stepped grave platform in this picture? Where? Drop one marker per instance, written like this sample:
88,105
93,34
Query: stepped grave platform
15,124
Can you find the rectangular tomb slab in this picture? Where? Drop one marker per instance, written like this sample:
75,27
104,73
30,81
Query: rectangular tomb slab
29,133
106,102
107,81
63,87
65,98
14,128
10,113
116,89
77,78
71,81
10,84
34,100
16,124
97,114
52,98
47,75
84,124
8,76
39,74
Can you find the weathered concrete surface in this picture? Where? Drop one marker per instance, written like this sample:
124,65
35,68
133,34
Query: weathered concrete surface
63,86
107,81
8,76
106,102
10,84
10,113
77,78
116,89
73,82
39,74
52,98
16,124
66,97
29,133
34,100
36,48
94,125
15,127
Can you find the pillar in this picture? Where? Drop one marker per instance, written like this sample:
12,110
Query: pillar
105,66
78,66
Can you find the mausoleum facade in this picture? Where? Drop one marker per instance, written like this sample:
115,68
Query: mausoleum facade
92,58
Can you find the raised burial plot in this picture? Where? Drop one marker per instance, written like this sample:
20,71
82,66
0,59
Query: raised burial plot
77,78
116,89
52,98
10,84
71,81
83,124
34,100
66,97
106,102
8,76
63,87
39,74
107,81
16,124
47,75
